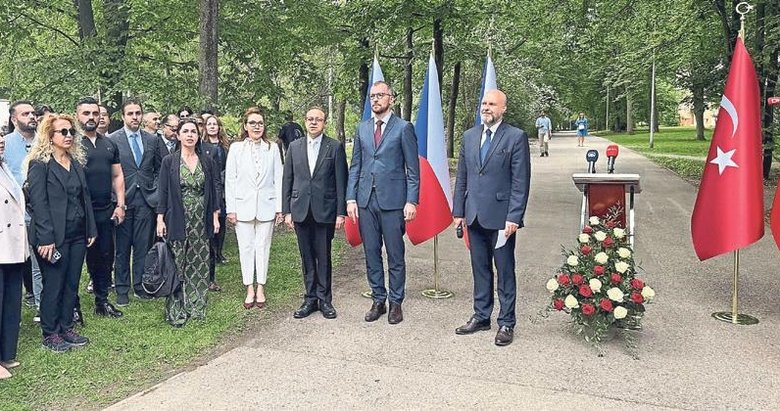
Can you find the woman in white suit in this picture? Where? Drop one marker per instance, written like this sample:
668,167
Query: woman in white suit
253,199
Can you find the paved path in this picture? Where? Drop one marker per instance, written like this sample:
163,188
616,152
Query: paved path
688,360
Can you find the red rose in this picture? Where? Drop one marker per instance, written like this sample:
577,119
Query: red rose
611,224
576,279
558,304
606,305
585,249
599,269
563,279
585,291
637,298
615,278
608,242
588,309
637,284
587,230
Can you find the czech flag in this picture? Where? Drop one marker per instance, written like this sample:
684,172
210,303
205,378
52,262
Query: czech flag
488,83
351,229
434,211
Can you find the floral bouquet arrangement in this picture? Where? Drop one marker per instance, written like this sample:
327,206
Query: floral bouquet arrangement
597,284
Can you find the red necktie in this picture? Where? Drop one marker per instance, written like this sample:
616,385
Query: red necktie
378,133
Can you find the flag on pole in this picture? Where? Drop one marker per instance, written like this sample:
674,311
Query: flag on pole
488,83
729,210
434,210
351,229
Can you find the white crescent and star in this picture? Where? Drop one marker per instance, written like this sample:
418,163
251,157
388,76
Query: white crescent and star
728,106
724,160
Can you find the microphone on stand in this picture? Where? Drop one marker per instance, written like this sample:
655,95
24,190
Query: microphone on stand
612,153
591,156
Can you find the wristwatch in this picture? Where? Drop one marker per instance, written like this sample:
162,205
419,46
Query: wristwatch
123,207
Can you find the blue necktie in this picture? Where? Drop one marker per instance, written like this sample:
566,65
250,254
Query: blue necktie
483,151
137,154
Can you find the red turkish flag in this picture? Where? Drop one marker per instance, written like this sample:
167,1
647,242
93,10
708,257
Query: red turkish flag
729,210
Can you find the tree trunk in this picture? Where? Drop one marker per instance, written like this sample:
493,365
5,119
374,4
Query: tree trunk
698,109
117,22
341,107
363,75
407,108
208,51
451,111
629,114
438,46
86,19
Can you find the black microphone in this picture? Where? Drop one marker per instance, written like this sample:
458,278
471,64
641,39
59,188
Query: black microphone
612,153
591,156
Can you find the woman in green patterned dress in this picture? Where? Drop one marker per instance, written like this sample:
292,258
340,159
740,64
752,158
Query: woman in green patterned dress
188,214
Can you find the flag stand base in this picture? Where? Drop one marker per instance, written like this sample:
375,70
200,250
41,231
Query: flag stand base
437,294
742,319
367,294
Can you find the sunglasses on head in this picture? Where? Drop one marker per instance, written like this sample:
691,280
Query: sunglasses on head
66,131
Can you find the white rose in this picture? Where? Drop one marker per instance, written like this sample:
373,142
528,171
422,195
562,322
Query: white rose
621,267
601,258
572,260
600,235
584,238
594,220
571,302
615,294
552,284
620,312
648,293
619,232
595,285
624,252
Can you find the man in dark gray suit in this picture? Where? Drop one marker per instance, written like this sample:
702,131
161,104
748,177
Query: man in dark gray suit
383,191
491,193
139,156
313,190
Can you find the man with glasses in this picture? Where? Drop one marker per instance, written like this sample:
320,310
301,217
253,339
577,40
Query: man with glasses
170,133
23,125
315,169
382,195
139,156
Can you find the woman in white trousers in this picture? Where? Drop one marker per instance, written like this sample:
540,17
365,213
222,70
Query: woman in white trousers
253,199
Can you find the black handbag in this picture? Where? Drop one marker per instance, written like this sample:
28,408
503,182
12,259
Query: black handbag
161,277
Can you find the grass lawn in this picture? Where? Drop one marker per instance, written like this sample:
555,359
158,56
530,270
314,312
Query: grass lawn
130,353
669,140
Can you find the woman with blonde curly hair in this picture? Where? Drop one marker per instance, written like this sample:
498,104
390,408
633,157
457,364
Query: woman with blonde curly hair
62,225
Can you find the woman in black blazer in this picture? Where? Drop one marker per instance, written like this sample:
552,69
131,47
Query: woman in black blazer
215,145
188,214
62,225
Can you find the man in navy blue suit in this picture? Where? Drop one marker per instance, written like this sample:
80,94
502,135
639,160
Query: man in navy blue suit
383,190
491,193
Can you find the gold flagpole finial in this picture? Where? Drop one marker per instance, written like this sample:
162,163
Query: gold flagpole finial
742,9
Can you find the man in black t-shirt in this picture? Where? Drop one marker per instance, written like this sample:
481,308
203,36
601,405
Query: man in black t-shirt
289,132
107,188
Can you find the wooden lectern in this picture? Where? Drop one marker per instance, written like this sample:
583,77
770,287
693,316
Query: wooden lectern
604,196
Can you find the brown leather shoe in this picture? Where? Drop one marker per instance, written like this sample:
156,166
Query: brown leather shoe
396,314
504,336
473,325
376,311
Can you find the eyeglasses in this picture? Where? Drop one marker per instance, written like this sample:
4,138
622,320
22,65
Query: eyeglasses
174,129
254,124
378,96
315,120
66,131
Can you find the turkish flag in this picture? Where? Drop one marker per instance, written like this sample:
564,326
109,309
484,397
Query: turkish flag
729,210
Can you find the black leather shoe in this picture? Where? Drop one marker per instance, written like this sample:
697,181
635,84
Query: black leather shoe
473,325
78,317
376,311
107,310
327,310
306,309
396,314
504,336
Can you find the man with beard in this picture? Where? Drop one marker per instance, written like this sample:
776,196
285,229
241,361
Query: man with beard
383,191
24,123
103,121
170,133
491,193
103,173
139,156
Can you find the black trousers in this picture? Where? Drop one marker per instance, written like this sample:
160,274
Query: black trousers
483,253
215,245
134,236
314,243
60,287
27,277
100,257
11,309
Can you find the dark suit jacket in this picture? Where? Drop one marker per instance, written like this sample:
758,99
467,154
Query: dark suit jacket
48,204
171,205
323,192
163,148
497,191
145,175
393,168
